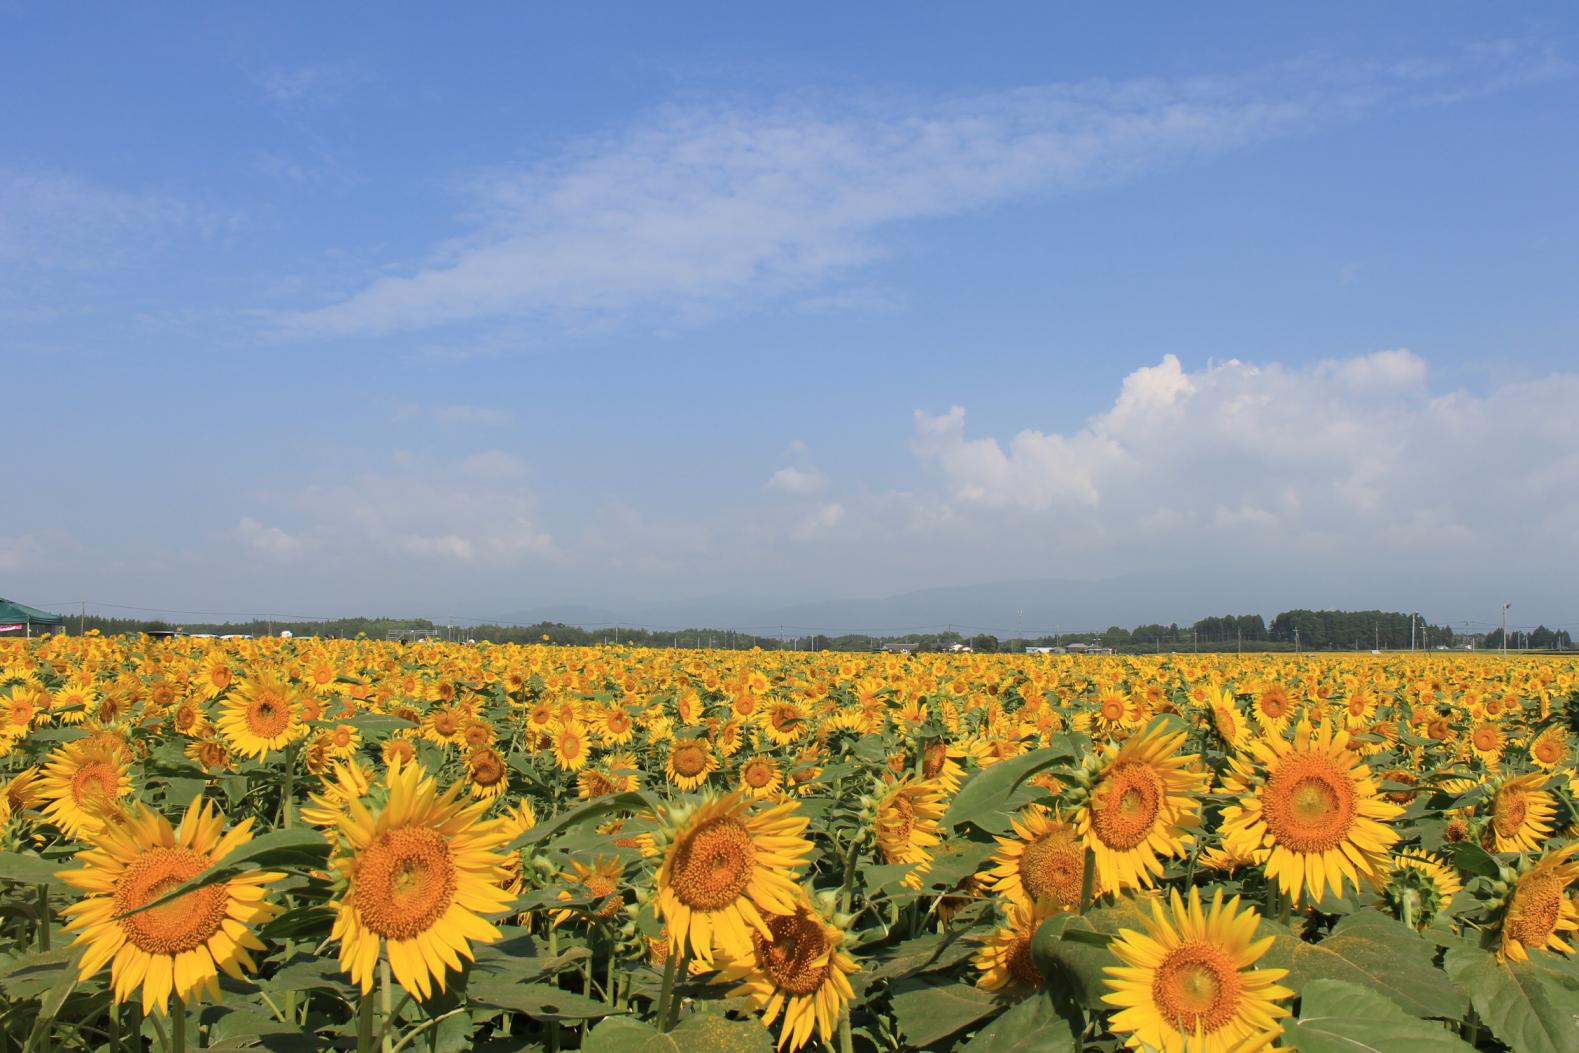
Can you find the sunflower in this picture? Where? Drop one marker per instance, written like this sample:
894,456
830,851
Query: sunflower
1521,810
906,822
1272,708
1140,807
417,871
1539,913
21,793
1550,748
798,969
487,775
1045,859
214,675
210,754
1314,805
725,865
174,947
83,781
1188,984
569,746
1419,886
689,763
600,882
1487,740
262,714
1004,957
760,776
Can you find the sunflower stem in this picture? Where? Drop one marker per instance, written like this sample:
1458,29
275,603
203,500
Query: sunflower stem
178,1026
668,1004
43,917
386,1032
1088,879
288,788
364,1024
611,988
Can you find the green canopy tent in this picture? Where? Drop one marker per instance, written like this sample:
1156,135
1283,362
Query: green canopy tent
19,617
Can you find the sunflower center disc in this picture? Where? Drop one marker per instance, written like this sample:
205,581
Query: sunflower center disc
689,759
713,866
1510,811
1309,803
184,923
798,941
403,882
1125,805
1534,911
1197,988
1052,865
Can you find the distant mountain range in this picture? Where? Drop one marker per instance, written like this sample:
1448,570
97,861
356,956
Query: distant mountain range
1045,605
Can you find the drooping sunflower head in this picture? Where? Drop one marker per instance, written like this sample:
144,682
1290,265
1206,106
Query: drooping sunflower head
1419,886
1004,957
1539,913
905,821
796,968
1519,811
1189,982
598,885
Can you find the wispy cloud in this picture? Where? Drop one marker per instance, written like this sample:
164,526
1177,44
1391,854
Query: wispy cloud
53,220
699,210
312,84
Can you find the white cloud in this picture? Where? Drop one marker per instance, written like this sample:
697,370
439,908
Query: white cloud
702,208
799,477
267,541
797,481
316,83
1354,458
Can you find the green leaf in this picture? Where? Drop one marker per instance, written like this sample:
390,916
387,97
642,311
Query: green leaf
53,998
922,954
32,974
989,798
1032,1026
539,1001
373,725
308,972
954,860
1528,1008
27,869
630,801
930,1012
1071,954
1338,1017
1474,861
701,1033
1375,952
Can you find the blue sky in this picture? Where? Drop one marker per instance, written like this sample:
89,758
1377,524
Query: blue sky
482,308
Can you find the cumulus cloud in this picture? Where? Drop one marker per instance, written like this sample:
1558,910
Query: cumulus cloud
799,477
268,541
698,209
1348,458
20,552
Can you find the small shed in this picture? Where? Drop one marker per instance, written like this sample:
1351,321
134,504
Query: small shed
20,618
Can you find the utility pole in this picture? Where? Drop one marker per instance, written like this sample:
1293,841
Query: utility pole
1505,607
1296,639
1411,633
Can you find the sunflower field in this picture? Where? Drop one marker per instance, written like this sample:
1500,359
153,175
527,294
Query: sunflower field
360,845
